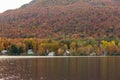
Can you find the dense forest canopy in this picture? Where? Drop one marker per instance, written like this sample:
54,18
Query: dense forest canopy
63,18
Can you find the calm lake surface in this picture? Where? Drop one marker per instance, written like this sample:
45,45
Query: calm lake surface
68,68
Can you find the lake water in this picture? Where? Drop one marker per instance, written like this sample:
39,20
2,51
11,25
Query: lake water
60,68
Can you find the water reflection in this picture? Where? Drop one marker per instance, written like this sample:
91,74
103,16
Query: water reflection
83,68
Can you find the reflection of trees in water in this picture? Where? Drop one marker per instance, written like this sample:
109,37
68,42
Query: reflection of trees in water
15,69
85,68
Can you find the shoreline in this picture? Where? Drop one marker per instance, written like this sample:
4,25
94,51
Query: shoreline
20,57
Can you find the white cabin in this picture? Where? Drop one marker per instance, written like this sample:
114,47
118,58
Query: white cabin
30,52
51,54
4,52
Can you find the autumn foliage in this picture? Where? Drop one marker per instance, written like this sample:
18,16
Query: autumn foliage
76,47
82,27
62,18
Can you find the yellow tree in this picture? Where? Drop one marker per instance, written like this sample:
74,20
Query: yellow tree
111,48
88,49
73,45
1,45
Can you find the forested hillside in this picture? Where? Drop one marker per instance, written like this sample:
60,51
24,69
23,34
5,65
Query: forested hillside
63,18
